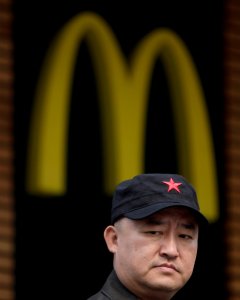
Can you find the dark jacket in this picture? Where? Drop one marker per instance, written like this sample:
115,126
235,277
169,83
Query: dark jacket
113,290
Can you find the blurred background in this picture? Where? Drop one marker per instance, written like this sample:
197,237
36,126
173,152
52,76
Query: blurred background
52,246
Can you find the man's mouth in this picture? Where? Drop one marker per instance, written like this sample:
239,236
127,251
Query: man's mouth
168,266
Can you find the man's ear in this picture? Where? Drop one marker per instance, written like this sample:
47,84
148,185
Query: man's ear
110,236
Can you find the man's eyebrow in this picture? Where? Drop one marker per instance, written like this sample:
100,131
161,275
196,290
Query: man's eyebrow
189,225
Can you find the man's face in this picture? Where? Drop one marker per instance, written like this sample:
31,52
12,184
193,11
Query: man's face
156,254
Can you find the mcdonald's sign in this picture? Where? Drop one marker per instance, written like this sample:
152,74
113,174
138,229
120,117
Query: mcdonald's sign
123,89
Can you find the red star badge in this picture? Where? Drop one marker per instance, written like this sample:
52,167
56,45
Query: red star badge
173,185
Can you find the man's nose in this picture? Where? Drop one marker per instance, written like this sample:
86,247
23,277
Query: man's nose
169,247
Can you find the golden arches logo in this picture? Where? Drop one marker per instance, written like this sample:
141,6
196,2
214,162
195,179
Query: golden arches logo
123,94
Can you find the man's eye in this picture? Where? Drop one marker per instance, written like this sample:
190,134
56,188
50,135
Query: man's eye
152,232
186,236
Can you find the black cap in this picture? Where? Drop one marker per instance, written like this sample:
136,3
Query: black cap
145,194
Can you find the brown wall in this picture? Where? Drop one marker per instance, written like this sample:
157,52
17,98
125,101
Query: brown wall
7,212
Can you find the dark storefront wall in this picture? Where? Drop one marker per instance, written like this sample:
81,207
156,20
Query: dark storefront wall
60,248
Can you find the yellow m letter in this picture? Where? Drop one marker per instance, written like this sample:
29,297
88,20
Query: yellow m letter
123,94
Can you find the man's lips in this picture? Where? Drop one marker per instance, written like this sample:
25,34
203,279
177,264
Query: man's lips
168,266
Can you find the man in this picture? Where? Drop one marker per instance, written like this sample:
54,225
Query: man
153,237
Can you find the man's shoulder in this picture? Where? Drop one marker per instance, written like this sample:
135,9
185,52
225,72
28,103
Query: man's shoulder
113,289
98,296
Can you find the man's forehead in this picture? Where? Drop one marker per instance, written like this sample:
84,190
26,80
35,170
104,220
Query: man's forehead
175,212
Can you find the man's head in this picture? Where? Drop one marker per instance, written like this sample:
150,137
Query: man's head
154,236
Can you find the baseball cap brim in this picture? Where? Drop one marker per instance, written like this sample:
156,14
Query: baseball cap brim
146,211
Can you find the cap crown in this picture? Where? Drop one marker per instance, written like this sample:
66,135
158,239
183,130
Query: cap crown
145,194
